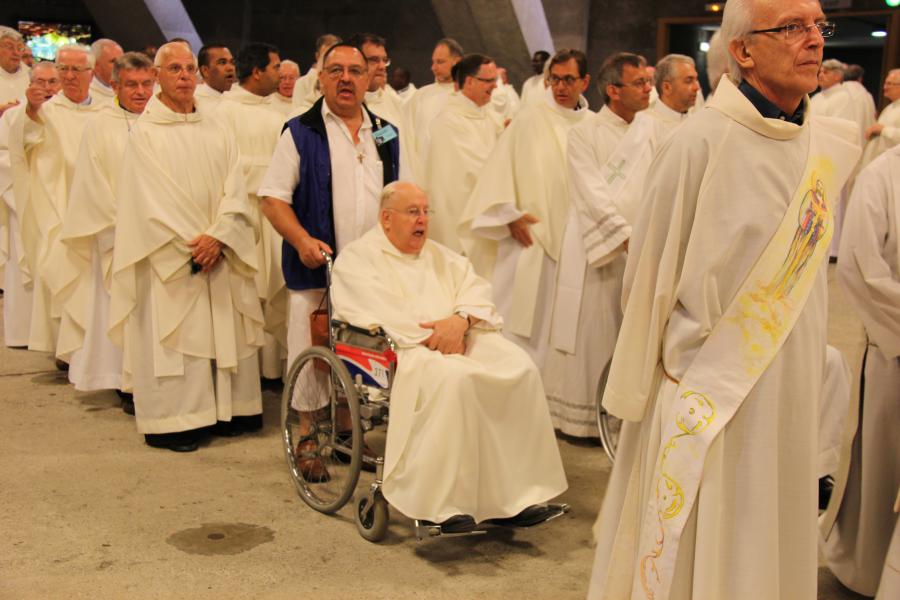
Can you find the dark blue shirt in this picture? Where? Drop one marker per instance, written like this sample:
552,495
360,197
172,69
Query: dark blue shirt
767,109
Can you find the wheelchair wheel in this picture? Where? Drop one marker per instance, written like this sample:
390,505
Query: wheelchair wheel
609,425
321,429
372,517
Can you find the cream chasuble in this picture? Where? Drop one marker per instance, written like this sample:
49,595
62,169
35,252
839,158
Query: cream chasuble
17,296
407,92
250,120
464,135
889,136
13,85
280,104
85,262
421,110
185,178
864,103
869,271
207,98
505,102
533,89
716,196
470,434
526,173
101,92
43,156
306,90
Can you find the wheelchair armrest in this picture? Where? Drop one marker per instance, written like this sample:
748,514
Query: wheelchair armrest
366,337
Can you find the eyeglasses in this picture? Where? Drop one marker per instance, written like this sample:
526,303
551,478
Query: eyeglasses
637,84
176,69
63,69
375,60
794,31
567,79
414,212
335,71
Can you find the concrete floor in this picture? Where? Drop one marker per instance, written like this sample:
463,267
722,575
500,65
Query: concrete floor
88,511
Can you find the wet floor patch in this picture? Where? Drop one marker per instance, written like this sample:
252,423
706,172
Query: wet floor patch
221,538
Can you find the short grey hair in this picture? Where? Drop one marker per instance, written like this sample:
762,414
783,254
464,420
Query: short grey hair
289,63
387,193
98,46
665,69
833,64
737,22
77,48
130,61
44,64
167,48
9,32
716,59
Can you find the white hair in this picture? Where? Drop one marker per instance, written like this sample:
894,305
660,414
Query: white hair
737,22
167,48
716,60
77,48
98,46
833,64
665,69
9,32
40,65
289,63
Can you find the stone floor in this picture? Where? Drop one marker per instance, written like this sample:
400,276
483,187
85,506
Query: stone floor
88,511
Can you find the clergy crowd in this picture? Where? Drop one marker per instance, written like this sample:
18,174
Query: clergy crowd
166,220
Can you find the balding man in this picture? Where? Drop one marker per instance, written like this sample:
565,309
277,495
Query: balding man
13,74
247,115
184,306
885,134
282,100
106,52
17,283
460,387
218,72
44,144
321,190
306,89
464,134
723,337
88,232
426,103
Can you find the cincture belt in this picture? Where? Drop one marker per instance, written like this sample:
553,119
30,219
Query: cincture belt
669,375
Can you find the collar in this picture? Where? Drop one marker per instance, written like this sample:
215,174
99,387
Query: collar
769,110
607,114
667,112
238,93
204,90
328,114
569,113
102,85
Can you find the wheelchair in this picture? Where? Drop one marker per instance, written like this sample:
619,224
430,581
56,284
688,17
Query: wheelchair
343,392
608,425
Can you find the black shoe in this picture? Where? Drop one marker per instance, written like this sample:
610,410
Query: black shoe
455,524
62,365
826,488
127,402
533,515
180,441
248,423
225,429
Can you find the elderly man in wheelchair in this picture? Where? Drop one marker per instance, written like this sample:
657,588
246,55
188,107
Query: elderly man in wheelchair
470,440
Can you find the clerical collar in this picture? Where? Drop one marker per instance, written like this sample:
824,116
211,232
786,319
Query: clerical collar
766,108
101,84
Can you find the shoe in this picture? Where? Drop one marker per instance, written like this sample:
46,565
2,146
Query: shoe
533,515
457,524
181,441
311,467
826,488
127,402
62,365
248,423
341,456
225,429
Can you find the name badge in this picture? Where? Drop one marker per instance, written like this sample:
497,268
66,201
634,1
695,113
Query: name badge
384,135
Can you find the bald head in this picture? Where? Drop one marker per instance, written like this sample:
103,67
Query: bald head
404,216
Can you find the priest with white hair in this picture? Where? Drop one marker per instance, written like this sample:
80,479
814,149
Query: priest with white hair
17,283
106,52
88,232
460,386
282,100
464,134
44,143
719,363
13,73
184,306
885,134
857,530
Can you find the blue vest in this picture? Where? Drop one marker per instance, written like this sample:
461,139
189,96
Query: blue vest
312,196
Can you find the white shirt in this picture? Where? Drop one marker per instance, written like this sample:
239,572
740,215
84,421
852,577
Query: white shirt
356,176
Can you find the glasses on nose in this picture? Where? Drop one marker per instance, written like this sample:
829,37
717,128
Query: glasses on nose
336,71
176,69
65,69
568,80
414,212
377,60
637,84
794,31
